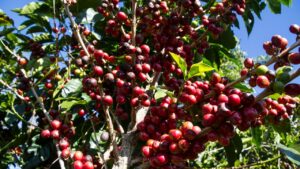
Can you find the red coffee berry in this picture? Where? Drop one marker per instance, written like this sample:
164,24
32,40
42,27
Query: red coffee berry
295,29
183,144
137,91
78,155
222,98
207,109
262,81
55,134
81,112
78,165
161,159
250,113
65,153
216,78
234,100
248,63
146,68
122,16
208,120
45,133
63,144
146,151
108,100
88,165
294,58
55,124
22,61
175,134
145,49
98,70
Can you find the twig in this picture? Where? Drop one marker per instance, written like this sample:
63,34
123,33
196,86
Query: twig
258,163
111,131
133,26
75,28
11,89
22,119
39,100
121,129
98,141
10,51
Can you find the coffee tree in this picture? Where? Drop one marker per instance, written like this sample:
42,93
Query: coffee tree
142,84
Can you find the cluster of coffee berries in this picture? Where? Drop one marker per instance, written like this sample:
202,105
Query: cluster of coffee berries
61,133
261,77
165,144
59,30
275,111
82,161
107,6
276,44
36,49
175,147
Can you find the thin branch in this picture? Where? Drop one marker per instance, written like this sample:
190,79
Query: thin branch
112,134
259,163
111,131
121,129
11,89
9,50
133,26
98,141
75,28
39,100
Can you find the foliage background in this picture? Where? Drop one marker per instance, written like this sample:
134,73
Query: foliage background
263,145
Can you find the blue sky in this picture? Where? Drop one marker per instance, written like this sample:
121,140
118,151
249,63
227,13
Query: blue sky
263,30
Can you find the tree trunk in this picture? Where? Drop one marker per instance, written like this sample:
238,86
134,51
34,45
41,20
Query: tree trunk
129,142
126,152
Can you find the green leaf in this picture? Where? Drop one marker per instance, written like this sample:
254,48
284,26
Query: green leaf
286,2
5,20
67,105
29,8
7,31
275,96
227,39
14,142
25,24
248,20
244,87
86,97
234,149
292,154
58,88
72,87
257,8
81,6
256,133
199,69
88,16
180,63
275,6
39,64
35,29
42,38
160,93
